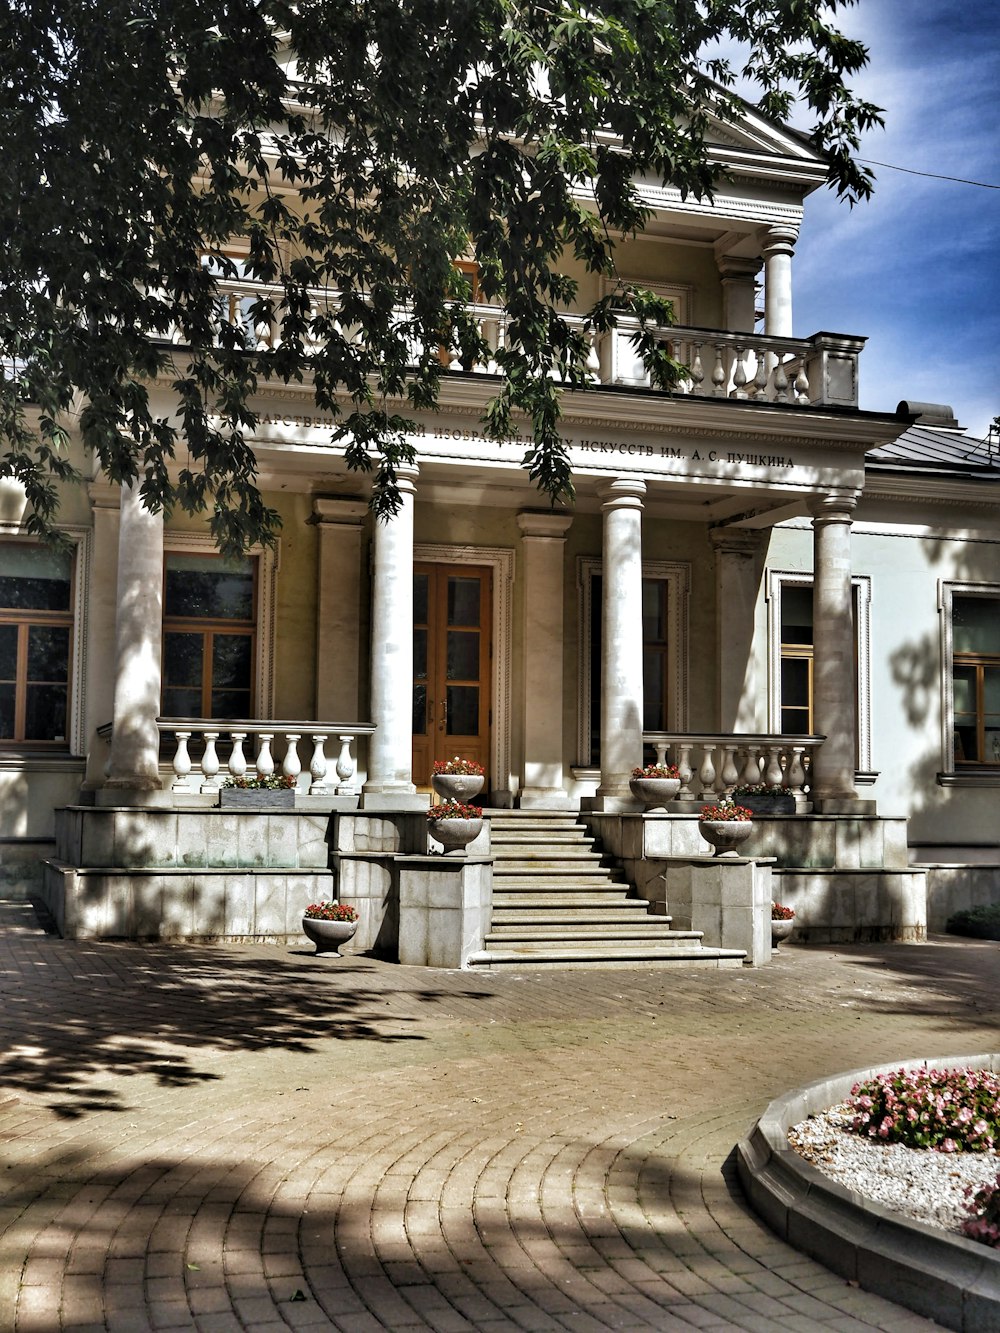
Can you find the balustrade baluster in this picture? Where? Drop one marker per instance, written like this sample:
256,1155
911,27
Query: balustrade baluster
761,377
707,774
317,764
750,777
265,759
773,774
237,759
182,762
719,372
780,383
345,766
593,360
684,771
697,370
801,385
796,775
730,773
739,375
661,752
291,765
210,763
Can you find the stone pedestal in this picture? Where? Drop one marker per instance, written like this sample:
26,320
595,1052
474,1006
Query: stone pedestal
444,909
621,645
543,541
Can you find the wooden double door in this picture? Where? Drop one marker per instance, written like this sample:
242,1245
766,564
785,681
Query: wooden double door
452,651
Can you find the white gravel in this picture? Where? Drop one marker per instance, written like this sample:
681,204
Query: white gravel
919,1183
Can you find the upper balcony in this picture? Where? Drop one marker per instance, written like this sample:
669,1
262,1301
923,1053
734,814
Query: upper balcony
820,371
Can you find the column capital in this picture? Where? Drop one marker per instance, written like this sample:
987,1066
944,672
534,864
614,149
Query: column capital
738,267
623,493
737,541
780,240
349,509
543,524
833,508
104,494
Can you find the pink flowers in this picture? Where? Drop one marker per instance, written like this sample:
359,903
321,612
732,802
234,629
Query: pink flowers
463,767
657,771
949,1110
454,810
330,912
983,1223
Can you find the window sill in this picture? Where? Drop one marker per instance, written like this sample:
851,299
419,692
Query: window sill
982,777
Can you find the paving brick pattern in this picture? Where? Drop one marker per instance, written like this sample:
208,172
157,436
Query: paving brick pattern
254,1138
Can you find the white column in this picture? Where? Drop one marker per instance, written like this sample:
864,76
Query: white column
621,643
135,741
778,248
338,582
390,750
543,542
739,292
833,653
101,613
738,563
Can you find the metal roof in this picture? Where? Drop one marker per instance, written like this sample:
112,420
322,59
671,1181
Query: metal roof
939,449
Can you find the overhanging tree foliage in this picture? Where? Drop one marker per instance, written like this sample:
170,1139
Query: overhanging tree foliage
359,148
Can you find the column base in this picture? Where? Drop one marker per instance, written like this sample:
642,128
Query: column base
393,798
618,803
546,798
843,805
121,794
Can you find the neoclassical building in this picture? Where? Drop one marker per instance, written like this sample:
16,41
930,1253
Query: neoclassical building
757,580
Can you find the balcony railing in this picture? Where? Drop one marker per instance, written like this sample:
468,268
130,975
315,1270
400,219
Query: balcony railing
800,372
712,765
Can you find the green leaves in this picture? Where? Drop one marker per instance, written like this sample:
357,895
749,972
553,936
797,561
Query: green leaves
194,206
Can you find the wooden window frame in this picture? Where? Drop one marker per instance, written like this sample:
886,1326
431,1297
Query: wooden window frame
977,768
24,620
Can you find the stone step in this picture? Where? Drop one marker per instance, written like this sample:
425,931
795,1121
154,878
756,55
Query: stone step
566,902
587,868
539,838
534,935
556,853
607,955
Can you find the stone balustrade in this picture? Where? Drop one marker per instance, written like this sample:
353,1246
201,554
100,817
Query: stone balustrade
274,747
817,371
712,765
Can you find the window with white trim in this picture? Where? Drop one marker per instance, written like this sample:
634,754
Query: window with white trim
971,677
790,632
209,631
36,645
664,651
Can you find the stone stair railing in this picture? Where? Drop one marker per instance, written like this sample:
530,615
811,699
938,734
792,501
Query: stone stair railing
207,773
711,765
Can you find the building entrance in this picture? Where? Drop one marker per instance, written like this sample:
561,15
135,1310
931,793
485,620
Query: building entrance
452,648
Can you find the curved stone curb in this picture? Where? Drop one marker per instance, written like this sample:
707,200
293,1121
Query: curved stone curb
943,1277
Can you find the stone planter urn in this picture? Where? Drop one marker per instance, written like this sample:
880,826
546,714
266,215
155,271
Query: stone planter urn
780,930
454,834
458,786
654,792
328,936
725,835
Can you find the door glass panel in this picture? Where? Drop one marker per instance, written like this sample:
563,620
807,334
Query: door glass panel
232,663
420,599
463,601
794,682
463,710
654,596
181,702
420,654
463,655
976,625
45,713
183,657
653,692
48,652
8,652
7,711
420,710
230,703
796,614
965,690
205,587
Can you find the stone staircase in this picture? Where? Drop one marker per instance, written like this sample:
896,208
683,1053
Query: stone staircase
556,903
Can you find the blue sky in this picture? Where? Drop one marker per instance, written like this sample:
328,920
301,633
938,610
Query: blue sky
917,270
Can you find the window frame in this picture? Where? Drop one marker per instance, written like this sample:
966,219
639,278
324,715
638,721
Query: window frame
74,741
677,576
970,772
267,558
861,591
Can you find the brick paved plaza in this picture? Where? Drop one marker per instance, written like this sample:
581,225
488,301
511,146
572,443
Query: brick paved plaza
256,1138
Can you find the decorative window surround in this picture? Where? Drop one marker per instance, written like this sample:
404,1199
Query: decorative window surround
677,576
862,588
950,776
75,722
268,564
500,560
